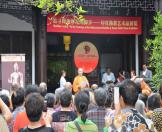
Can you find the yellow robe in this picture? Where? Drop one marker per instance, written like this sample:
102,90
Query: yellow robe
80,82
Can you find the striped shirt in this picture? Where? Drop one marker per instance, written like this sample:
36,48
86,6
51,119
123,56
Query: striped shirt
88,126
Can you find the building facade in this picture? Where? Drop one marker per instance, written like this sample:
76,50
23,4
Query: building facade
23,30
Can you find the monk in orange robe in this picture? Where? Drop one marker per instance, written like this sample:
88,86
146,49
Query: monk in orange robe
80,81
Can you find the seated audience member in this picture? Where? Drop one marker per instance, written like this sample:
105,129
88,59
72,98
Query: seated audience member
34,104
57,106
143,86
87,91
50,103
97,115
143,97
14,87
43,88
140,107
58,91
6,100
157,119
5,116
109,102
17,99
133,75
65,114
81,123
160,92
31,89
153,102
68,85
92,103
94,86
126,75
18,124
4,92
122,121
121,76
90,94
108,77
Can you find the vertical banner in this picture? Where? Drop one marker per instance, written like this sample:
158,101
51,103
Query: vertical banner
13,70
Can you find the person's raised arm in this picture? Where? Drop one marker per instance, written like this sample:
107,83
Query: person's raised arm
5,111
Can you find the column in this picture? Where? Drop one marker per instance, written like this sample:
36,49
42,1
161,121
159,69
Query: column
145,24
42,49
137,55
33,57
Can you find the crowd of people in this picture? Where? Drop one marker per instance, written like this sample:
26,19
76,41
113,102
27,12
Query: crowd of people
127,106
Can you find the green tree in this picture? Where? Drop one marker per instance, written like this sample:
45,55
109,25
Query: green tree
155,47
66,7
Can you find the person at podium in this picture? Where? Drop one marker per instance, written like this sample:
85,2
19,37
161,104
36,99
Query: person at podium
80,81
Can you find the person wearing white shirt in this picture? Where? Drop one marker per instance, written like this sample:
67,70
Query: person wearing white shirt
108,77
62,79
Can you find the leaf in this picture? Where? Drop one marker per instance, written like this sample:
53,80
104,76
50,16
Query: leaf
50,3
59,5
42,3
80,10
68,4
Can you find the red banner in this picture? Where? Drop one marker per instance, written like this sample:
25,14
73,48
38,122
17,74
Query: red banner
94,24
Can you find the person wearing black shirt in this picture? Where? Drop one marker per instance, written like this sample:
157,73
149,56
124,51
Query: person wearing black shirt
66,114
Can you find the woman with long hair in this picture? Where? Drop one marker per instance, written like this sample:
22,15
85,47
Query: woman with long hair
81,123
